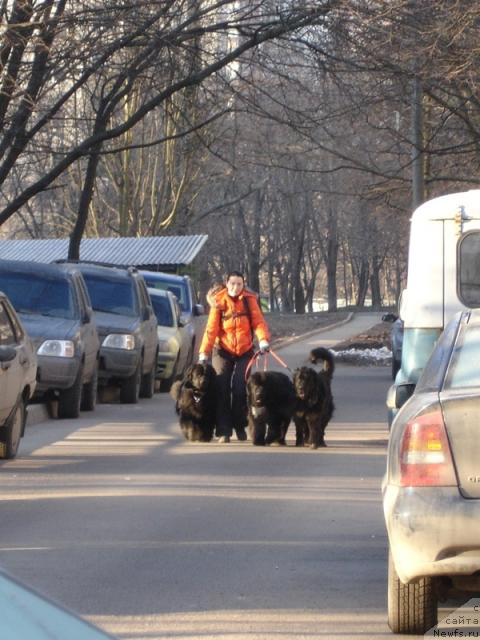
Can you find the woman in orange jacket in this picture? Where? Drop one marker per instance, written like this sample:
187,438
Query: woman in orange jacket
234,318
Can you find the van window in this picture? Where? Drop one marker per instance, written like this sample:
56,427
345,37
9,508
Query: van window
469,269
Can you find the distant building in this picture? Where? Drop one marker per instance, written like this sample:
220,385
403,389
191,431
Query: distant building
158,253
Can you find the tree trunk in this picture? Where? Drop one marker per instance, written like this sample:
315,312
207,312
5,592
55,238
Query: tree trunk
84,205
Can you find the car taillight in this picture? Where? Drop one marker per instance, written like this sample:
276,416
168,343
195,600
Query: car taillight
425,456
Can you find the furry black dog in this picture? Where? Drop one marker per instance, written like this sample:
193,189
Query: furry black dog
314,400
271,402
195,402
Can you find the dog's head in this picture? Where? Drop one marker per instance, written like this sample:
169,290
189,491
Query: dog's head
305,382
199,378
257,390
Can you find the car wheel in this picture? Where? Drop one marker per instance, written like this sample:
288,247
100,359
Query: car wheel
395,367
11,433
166,383
412,607
147,387
69,401
89,393
130,387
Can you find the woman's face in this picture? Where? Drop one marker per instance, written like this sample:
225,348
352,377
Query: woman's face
234,286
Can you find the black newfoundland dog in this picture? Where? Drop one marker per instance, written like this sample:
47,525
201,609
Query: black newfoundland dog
271,402
195,402
314,400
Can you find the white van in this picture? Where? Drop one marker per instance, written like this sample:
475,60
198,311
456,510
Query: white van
443,275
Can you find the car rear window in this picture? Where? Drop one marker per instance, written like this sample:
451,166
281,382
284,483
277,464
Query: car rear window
111,295
43,295
469,269
179,289
464,369
163,311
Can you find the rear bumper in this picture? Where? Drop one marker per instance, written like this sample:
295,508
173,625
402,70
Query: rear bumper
432,531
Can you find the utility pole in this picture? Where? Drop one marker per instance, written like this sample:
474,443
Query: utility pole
418,154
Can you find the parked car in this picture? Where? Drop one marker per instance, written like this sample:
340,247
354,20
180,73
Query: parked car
27,615
182,288
18,368
55,310
173,338
127,327
431,490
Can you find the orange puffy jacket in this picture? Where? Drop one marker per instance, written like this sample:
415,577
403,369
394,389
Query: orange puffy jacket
230,323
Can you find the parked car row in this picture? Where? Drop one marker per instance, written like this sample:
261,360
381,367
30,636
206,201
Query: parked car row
67,327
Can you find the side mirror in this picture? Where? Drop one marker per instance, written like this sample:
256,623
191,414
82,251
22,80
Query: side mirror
7,353
399,394
389,317
147,313
198,310
87,316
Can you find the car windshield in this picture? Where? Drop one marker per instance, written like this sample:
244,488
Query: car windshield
39,294
163,310
111,295
179,289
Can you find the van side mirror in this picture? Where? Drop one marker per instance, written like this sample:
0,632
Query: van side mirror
198,310
87,316
399,394
147,313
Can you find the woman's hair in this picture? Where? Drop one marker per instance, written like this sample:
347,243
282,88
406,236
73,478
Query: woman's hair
236,274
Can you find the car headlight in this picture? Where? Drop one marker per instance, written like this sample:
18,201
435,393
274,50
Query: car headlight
59,348
120,341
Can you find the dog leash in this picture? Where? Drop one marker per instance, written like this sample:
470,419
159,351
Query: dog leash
254,360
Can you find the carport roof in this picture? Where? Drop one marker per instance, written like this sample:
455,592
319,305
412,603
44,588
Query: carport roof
157,251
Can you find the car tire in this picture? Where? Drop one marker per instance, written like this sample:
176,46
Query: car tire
69,401
89,393
166,383
147,387
130,387
12,432
412,607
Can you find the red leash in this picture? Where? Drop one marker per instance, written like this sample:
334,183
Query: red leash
255,357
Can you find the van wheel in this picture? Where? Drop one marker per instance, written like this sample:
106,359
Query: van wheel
412,607
130,387
69,400
89,393
147,387
11,433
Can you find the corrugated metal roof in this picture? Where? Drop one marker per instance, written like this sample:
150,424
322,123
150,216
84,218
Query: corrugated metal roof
157,250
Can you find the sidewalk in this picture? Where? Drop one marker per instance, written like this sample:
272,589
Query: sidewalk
295,350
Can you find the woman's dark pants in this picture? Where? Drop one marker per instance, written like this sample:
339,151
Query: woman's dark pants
232,394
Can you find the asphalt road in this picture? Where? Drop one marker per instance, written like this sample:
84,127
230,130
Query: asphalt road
150,537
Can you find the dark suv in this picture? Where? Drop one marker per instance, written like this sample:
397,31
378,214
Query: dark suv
18,367
127,328
55,310
182,288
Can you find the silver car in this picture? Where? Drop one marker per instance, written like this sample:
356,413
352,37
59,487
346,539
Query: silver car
431,490
18,368
174,344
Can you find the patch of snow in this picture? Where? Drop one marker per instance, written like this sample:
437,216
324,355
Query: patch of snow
379,357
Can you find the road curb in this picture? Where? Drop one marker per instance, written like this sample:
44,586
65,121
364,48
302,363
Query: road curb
284,342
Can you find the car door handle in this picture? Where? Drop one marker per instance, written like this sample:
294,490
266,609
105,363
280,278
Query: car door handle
23,361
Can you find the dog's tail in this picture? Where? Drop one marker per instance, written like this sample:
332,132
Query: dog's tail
320,353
